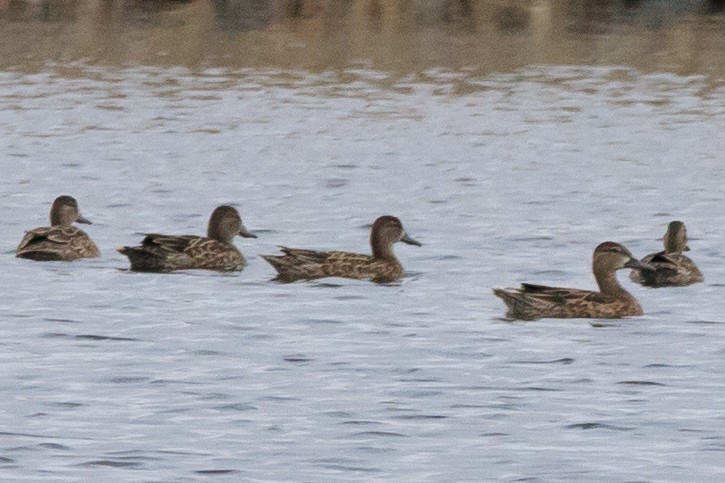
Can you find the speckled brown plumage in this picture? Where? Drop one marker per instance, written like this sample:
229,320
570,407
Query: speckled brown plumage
166,253
530,302
61,240
382,266
670,266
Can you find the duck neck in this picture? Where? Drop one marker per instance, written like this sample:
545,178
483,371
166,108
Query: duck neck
60,218
382,250
609,285
673,250
674,242
216,233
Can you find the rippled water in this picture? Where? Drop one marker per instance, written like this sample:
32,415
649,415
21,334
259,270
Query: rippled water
505,177
143,377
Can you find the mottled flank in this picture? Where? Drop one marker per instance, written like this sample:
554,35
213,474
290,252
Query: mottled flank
166,253
382,266
670,267
61,240
532,302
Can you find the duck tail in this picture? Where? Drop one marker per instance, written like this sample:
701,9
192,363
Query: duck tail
277,261
518,304
143,260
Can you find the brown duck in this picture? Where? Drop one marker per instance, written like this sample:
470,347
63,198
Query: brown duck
61,240
532,302
166,253
670,267
382,266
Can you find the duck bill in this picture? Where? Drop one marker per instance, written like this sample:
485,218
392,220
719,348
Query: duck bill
246,233
83,220
637,265
686,249
410,241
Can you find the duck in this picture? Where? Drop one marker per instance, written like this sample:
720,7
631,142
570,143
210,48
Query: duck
215,251
671,267
531,302
60,241
381,267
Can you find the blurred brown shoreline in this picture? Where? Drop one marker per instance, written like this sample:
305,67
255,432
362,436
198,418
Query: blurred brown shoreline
400,36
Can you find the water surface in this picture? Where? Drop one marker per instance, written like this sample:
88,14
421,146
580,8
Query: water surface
506,174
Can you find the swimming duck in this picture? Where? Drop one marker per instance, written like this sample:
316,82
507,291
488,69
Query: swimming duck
671,267
166,253
532,302
381,267
61,240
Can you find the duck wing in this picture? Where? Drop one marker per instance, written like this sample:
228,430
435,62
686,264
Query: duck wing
170,243
56,243
663,261
31,236
60,235
531,301
51,234
298,264
162,252
305,256
557,295
668,269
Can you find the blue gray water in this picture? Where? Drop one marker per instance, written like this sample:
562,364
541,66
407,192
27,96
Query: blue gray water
110,375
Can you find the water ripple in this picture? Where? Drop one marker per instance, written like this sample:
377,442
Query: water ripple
641,383
563,361
588,426
111,463
216,472
385,434
201,372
